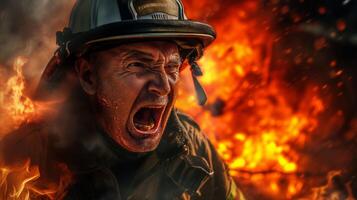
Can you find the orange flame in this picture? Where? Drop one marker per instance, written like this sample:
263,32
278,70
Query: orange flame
16,182
20,182
20,106
332,190
15,107
251,117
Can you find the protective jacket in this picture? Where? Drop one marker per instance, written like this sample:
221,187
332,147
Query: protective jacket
184,166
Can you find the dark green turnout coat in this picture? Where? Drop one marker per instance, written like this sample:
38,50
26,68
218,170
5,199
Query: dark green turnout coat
184,166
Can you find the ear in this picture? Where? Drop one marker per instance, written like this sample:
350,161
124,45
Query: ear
86,75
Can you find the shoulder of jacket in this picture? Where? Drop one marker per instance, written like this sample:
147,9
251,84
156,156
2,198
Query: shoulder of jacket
198,142
28,141
188,121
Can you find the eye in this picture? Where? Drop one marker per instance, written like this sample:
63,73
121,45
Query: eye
136,66
173,72
172,69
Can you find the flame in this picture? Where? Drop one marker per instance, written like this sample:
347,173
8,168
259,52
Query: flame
17,182
20,106
17,192
15,106
334,189
21,182
253,120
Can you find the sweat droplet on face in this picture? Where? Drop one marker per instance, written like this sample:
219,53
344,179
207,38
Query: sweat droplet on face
117,105
103,101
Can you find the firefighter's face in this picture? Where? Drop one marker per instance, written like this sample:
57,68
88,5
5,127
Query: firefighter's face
133,87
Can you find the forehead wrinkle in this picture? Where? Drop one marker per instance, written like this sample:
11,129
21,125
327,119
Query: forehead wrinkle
142,56
158,56
137,54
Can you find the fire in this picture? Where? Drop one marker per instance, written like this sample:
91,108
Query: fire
20,106
15,106
21,181
334,189
17,182
252,118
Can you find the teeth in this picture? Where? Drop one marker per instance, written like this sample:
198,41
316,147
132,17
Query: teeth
143,127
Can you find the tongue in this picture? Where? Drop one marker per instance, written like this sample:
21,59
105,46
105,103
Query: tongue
144,119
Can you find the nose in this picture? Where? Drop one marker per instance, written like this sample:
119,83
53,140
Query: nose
160,85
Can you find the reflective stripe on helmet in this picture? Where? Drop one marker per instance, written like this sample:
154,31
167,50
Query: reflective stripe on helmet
150,35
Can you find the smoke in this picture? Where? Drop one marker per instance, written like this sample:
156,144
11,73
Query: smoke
27,28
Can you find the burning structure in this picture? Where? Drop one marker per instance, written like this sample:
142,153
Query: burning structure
281,85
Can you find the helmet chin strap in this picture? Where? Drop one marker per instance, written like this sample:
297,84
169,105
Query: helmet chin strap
197,72
63,41
200,92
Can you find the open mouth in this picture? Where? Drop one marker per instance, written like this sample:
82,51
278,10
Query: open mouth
146,121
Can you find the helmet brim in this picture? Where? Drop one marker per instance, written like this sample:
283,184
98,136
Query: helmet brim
191,31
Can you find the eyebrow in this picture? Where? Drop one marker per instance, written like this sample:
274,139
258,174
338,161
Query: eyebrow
149,58
146,57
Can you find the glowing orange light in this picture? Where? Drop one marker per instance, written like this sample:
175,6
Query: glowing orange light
248,118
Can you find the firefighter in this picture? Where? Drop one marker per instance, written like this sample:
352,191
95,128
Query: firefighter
117,131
